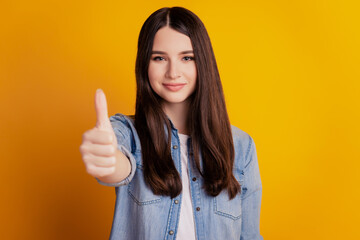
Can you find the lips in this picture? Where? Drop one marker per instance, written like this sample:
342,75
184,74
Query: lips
174,87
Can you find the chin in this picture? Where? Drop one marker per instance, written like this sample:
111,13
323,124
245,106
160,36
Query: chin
175,100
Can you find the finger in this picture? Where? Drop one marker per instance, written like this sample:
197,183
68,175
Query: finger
100,171
100,150
98,136
99,161
102,117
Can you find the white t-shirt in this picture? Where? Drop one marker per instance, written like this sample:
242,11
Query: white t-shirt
186,228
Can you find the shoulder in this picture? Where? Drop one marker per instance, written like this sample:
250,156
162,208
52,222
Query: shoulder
122,123
244,146
124,129
121,120
241,138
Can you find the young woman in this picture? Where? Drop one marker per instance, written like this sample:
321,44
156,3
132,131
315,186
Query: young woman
180,170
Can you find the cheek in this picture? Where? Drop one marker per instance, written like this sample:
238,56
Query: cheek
195,75
154,73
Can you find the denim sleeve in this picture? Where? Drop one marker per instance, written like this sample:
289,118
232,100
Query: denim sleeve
123,133
251,196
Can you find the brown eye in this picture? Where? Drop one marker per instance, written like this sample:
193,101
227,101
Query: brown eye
188,58
157,58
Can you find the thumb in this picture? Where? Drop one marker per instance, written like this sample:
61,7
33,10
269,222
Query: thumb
102,121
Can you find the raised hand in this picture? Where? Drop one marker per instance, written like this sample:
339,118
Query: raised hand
99,145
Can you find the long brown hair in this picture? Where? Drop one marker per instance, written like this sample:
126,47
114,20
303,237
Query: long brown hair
208,121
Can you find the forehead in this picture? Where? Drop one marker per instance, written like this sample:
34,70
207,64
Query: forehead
169,40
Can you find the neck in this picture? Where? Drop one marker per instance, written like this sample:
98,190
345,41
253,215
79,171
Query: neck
178,113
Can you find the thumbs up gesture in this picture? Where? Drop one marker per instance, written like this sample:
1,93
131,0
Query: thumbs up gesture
99,145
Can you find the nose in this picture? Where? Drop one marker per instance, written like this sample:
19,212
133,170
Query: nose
172,71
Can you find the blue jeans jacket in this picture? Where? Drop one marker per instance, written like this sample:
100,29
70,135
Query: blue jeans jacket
139,214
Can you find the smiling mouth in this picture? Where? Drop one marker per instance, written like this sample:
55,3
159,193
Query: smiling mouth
174,87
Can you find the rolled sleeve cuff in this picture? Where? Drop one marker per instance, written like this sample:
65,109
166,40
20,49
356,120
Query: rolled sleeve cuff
132,172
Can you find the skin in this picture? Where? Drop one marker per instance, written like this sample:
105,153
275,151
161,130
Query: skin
99,150
172,75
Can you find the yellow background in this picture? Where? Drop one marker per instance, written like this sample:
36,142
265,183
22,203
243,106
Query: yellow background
290,71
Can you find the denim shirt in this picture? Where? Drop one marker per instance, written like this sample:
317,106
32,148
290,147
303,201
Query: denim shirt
140,214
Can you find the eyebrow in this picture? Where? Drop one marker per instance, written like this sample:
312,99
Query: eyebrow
161,52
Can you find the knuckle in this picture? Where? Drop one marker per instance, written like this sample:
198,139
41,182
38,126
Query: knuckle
86,134
83,148
109,138
90,169
112,170
86,158
112,150
102,174
109,161
112,160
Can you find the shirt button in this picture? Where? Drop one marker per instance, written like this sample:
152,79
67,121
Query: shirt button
171,232
197,209
176,201
194,179
175,147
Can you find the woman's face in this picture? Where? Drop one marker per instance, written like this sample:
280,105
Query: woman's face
172,70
